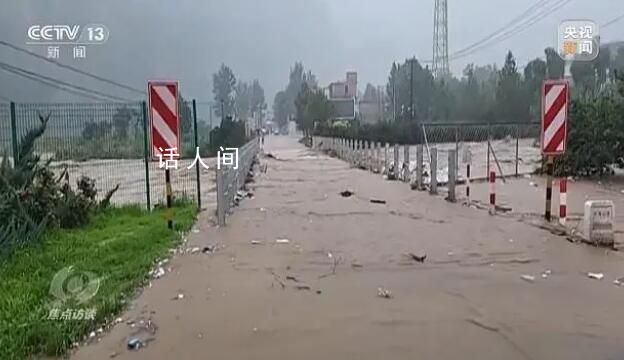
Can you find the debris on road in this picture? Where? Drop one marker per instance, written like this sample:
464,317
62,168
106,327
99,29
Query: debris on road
528,278
158,273
318,292
619,281
194,250
292,278
282,241
195,231
346,193
546,273
533,184
135,343
256,242
417,258
384,293
92,335
209,249
356,265
180,296
597,276
113,355
302,287
375,201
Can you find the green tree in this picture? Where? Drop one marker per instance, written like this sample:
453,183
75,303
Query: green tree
511,99
370,94
121,122
555,66
186,117
534,75
312,107
223,88
280,109
257,100
242,100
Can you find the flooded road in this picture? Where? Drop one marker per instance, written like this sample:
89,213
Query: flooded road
316,295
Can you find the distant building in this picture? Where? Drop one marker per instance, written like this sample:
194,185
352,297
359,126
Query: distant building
343,95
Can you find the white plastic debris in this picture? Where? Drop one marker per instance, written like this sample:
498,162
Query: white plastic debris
619,281
180,296
256,242
118,320
195,231
194,250
92,335
528,278
527,176
597,276
384,293
158,273
545,274
533,184
282,241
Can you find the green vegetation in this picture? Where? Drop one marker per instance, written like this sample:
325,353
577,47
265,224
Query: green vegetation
488,97
33,198
119,245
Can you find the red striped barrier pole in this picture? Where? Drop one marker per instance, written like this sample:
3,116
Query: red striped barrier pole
468,181
492,193
563,201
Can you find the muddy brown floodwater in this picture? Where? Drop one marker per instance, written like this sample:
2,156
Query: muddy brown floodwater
316,296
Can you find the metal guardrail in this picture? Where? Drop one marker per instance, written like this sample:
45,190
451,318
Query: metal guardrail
230,180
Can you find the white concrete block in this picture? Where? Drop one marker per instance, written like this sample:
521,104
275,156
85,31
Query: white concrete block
598,222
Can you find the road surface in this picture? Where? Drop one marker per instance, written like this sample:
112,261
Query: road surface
316,296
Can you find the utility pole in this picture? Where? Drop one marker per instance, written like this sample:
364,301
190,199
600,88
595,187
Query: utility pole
440,40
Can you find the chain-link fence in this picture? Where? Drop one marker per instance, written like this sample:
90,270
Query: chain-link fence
513,148
109,142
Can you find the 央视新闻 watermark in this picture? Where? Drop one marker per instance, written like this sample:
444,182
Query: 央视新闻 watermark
579,40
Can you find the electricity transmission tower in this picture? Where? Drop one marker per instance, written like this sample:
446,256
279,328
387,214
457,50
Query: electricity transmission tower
440,40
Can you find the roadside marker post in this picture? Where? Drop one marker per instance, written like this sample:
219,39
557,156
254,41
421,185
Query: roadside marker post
555,100
492,181
563,201
164,116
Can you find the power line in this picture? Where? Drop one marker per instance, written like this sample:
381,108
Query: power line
68,67
505,27
516,30
53,85
611,22
18,70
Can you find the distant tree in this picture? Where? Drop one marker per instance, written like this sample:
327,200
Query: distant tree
534,75
312,107
121,122
555,66
280,108
223,88
370,93
257,100
186,117
242,100
511,100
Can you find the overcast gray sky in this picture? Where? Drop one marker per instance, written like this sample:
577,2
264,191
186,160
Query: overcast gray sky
188,39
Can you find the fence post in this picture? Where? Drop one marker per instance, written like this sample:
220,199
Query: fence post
378,156
220,197
370,156
433,178
396,161
419,167
452,174
14,140
517,140
489,137
146,152
406,163
386,158
197,172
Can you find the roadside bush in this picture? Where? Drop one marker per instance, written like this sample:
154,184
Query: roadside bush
229,134
32,198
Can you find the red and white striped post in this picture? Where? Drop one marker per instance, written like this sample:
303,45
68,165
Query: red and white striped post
563,201
492,192
468,181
